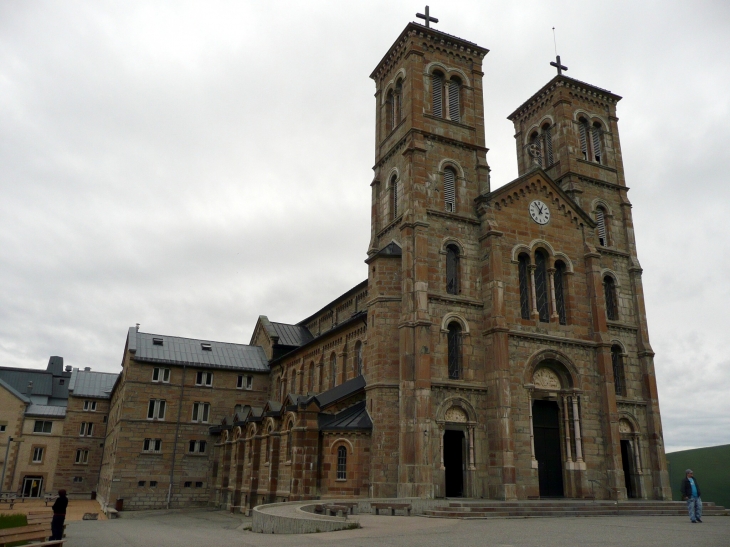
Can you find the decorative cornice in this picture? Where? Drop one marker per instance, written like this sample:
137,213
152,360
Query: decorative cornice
453,216
455,299
549,339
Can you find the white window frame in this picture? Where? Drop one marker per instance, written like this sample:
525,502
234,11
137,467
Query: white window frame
198,447
161,375
38,453
43,427
82,456
201,412
203,378
152,446
156,407
249,382
90,406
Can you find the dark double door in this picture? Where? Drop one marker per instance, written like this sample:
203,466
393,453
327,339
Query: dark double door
546,428
454,463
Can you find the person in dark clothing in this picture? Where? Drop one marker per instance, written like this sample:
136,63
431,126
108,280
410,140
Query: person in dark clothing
691,494
59,515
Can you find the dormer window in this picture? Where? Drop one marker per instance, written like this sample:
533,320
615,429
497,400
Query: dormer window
205,346
157,342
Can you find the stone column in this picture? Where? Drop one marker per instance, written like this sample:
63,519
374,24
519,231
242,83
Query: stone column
553,304
534,314
532,431
441,446
566,421
472,467
576,424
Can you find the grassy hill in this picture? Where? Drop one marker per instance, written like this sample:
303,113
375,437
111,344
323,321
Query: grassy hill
712,470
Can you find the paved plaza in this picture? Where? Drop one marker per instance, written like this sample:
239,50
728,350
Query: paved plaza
214,528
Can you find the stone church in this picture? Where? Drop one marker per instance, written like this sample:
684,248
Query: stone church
499,347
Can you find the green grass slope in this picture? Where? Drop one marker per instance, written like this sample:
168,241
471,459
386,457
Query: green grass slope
712,470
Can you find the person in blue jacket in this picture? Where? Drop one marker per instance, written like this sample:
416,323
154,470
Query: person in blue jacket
691,494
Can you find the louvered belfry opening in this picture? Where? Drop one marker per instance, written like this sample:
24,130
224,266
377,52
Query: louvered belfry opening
619,380
452,269
559,281
535,143
437,81
541,286
583,129
455,100
547,142
524,273
609,288
450,190
601,226
596,135
454,351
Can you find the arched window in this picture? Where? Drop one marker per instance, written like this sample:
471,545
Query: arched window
333,369
450,189
320,384
358,358
283,389
583,130
398,106
289,439
601,226
341,463
452,269
609,289
394,195
619,377
524,273
541,290
536,145
268,444
311,376
547,144
437,94
389,111
454,343
559,281
455,100
596,141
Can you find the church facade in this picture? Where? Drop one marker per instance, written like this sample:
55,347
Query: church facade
498,348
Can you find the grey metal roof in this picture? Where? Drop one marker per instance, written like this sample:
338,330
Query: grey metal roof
188,351
19,378
340,392
14,391
86,383
292,335
355,417
46,411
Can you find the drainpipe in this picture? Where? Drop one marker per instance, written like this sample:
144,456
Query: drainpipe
174,443
5,463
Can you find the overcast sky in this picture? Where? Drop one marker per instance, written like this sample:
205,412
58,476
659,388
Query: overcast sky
190,166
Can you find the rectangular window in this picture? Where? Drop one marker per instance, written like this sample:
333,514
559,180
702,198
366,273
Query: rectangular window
82,456
38,454
78,479
153,484
141,483
104,419
204,379
82,430
161,375
42,427
201,412
152,445
90,406
199,484
197,447
249,382
156,409
158,342
188,484
2,428
239,385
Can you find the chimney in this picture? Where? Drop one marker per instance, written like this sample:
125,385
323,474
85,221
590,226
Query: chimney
30,386
137,327
87,369
68,368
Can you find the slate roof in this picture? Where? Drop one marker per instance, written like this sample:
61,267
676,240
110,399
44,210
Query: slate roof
14,391
19,378
354,418
392,249
46,411
86,383
292,335
340,392
188,351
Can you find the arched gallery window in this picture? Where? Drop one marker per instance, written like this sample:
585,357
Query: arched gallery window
289,450
437,94
454,350
547,144
559,281
358,358
455,99
311,376
601,226
524,274
596,142
394,195
609,289
583,130
342,463
452,269
619,376
333,369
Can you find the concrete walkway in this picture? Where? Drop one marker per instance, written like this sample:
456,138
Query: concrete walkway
217,528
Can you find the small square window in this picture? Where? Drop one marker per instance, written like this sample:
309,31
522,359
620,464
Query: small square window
61,382
153,484
2,428
104,419
188,484
141,483
199,484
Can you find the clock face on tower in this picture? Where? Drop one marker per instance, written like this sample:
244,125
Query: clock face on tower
539,212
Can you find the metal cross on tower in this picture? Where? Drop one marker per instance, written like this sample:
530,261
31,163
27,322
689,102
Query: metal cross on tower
558,65
427,17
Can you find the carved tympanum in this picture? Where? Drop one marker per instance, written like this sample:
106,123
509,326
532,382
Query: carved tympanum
545,378
455,414
624,426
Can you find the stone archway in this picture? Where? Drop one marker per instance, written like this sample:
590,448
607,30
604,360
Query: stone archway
454,451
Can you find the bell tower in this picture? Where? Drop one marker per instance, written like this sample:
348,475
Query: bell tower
430,166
